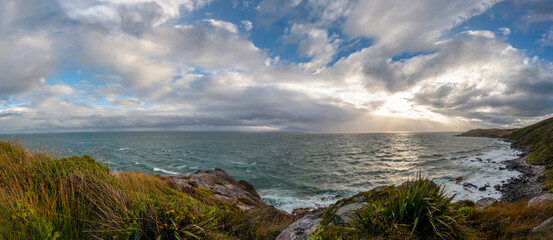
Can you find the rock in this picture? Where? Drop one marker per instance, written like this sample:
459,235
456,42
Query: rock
467,185
431,185
457,180
483,188
485,202
345,213
542,227
300,230
115,174
221,184
545,198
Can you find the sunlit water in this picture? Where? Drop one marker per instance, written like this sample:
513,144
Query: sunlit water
293,170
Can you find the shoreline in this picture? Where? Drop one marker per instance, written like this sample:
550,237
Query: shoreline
528,184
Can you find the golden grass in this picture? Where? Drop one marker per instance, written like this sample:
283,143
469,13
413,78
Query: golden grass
43,197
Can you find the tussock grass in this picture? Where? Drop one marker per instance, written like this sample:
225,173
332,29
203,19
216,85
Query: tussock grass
43,197
416,210
511,221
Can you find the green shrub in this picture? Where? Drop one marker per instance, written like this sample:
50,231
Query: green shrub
415,209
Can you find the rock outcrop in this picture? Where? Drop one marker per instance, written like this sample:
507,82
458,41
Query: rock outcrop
346,213
544,226
221,184
545,198
300,229
485,202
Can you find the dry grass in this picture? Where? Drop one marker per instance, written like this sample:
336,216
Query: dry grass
43,197
511,221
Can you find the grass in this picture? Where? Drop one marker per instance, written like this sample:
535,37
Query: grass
44,197
510,221
539,140
415,210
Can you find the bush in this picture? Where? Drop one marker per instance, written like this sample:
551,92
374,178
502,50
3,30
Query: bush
418,208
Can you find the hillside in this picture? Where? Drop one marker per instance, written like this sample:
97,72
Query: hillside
493,133
538,139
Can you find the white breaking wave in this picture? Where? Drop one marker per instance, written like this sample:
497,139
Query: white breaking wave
486,169
285,200
165,171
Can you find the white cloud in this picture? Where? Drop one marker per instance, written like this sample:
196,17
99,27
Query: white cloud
316,44
247,25
505,31
408,26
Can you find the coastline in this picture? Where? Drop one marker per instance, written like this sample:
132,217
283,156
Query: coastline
528,184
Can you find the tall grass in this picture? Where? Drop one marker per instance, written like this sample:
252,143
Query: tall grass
418,208
43,197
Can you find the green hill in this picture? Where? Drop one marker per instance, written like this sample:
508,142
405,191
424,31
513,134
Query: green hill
538,138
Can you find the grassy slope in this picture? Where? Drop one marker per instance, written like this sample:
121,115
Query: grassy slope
494,133
42,197
539,140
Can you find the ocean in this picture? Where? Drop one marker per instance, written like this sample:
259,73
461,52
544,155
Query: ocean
296,170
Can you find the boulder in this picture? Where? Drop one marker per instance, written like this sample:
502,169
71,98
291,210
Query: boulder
221,184
345,214
542,199
542,227
485,202
300,229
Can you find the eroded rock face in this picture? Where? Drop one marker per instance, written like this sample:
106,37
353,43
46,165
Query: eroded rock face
485,202
545,198
221,184
300,229
544,226
346,214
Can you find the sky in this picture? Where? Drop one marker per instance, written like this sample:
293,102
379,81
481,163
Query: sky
274,65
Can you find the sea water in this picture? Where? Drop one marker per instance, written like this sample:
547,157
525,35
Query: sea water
296,170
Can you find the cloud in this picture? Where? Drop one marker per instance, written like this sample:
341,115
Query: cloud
547,39
483,78
247,25
314,43
505,31
406,26
25,60
130,16
144,66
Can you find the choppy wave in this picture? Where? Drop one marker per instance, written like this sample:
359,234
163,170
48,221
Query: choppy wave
165,171
287,200
485,169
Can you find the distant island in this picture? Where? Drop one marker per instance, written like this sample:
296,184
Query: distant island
45,197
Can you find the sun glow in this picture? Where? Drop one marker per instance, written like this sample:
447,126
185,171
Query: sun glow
399,105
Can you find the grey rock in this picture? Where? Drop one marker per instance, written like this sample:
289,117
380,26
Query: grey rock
542,199
300,229
485,202
545,225
345,213
221,184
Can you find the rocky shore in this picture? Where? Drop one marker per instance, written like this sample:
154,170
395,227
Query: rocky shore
527,185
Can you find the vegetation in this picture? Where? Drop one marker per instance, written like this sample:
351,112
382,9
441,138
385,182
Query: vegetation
425,212
42,197
419,209
539,140
494,133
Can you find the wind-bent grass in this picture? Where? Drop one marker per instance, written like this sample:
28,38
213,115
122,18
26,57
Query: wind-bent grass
42,197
